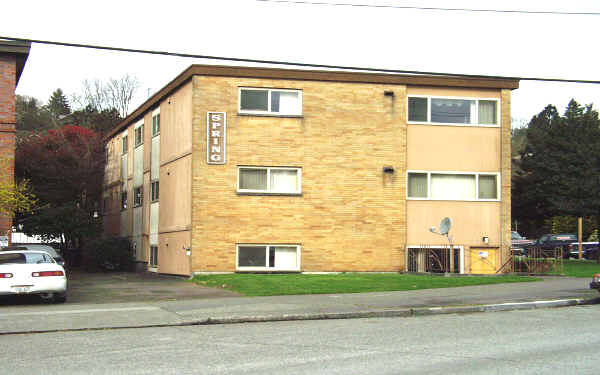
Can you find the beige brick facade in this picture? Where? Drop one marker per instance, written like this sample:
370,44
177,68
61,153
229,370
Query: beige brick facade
350,215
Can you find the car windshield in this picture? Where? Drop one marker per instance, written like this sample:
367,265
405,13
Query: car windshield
516,236
23,258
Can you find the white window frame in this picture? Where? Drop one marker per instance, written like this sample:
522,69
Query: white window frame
124,144
474,121
268,111
268,190
138,126
461,257
156,113
476,174
152,267
267,268
153,191
138,202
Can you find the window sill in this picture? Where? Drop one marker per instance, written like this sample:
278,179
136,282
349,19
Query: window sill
452,200
269,115
269,194
451,124
264,270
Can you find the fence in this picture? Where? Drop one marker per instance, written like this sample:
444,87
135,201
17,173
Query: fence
537,261
435,259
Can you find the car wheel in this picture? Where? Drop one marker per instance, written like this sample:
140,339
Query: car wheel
60,298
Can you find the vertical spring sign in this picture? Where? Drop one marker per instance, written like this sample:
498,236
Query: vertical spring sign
216,125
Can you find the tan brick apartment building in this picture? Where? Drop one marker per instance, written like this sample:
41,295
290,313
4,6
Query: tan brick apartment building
252,169
13,56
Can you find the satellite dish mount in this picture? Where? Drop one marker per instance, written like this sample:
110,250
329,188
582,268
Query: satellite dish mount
445,226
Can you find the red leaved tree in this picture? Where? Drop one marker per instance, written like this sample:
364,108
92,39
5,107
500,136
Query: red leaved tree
65,167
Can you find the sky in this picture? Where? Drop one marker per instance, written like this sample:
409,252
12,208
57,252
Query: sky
485,43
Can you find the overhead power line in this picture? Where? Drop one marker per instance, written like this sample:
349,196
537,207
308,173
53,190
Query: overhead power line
289,63
550,12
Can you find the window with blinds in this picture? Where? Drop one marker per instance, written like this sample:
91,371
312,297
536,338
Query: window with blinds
453,111
452,186
269,180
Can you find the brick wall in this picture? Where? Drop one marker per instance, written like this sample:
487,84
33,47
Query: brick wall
350,217
7,125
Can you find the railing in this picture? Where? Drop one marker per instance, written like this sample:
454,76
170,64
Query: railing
537,261
434,259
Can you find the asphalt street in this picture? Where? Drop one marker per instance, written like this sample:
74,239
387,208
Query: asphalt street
549,341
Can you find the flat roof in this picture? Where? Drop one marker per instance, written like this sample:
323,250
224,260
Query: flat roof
314,75
20,49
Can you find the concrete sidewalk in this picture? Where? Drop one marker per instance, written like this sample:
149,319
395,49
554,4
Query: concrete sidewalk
211,309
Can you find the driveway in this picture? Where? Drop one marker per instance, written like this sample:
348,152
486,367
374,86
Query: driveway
133,287
113,287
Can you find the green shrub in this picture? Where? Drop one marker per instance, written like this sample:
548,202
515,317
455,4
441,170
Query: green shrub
110,254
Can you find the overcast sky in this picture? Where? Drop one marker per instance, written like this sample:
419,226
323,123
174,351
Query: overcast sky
506,44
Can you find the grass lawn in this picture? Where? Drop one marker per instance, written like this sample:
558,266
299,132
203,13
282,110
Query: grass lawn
285,284
581,268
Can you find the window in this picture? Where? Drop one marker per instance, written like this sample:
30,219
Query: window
153,256
137,196
124,144
156,125
453,111
139,135
268,257
452,186
155,191
124,200
270,102
269,180
417,109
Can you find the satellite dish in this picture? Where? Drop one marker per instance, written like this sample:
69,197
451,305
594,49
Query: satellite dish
445,226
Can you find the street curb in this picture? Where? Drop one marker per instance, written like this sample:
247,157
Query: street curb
390,313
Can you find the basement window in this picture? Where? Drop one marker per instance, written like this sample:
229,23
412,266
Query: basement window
153,257
268,258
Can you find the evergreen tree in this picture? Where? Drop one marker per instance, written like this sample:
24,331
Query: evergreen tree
58,104
560,165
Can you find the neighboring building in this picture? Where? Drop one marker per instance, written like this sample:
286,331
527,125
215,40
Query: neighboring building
314,171
13,56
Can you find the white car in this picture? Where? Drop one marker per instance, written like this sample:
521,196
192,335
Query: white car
32,272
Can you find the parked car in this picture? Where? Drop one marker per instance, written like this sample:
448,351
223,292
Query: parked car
24,272
519,243
595,284
47,248
587,249
551,241
591,253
